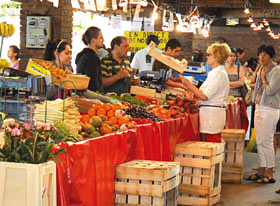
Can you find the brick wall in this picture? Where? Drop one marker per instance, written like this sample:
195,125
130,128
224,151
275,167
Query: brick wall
62,18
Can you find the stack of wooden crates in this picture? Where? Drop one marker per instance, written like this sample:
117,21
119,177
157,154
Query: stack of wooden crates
200,172
149,183
234,155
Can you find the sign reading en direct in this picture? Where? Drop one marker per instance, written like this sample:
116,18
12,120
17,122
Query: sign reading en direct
137,39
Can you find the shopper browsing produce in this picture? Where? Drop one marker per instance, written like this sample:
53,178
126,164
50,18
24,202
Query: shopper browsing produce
213,93
267,99
116,69
59,53
235,75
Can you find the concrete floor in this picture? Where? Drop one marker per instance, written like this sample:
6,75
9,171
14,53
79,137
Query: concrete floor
249,193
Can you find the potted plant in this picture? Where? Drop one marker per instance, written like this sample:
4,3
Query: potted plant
28,165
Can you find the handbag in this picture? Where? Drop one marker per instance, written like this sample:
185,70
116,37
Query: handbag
244,89
249,97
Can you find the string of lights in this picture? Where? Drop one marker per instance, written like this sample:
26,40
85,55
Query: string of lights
264,24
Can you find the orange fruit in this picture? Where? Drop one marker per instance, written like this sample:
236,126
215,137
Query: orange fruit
91,112
114,120
105,129
116,106
101,111
123,120
107,106
110,113
85,118
98,105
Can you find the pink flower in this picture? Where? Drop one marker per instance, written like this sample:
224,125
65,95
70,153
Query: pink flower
11,123
27,126
16,125
54,129
47,127
9,129
38,125
16,132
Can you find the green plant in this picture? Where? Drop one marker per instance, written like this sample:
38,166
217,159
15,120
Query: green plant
27,143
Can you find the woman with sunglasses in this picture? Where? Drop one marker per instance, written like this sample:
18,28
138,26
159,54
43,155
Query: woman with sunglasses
213,94
59,53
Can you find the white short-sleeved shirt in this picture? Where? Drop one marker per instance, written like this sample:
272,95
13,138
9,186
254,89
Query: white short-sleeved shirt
216,88
142,61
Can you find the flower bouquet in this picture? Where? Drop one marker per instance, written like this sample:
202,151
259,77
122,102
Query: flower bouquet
25,143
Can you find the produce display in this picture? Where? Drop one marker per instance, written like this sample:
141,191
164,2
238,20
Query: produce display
6,30
130,99
52,68
142,113
105,119
70,115
180,105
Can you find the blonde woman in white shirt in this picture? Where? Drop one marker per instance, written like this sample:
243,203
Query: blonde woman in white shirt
213,93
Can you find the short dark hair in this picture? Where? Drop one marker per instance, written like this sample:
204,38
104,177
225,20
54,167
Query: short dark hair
240,50
153,38
91,32
252,63
117,41
52,46
267,49
173,44
16,50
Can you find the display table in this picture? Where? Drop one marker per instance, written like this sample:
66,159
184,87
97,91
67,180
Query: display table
85,176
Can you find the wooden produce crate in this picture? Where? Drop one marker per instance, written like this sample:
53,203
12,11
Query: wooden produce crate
71,81
27,184
200,172
143,91
234,155
142,182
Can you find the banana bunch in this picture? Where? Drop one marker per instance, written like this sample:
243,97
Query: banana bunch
3,63
6,30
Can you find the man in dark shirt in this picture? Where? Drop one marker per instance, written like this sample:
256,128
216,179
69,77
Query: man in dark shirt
88,62
116,69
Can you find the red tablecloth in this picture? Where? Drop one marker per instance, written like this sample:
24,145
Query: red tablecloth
85,176
237,115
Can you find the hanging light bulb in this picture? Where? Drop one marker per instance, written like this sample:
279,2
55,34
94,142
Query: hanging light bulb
250,20
266,23
205,32
253,25
246,9
179,27
276,37
268,29
261,25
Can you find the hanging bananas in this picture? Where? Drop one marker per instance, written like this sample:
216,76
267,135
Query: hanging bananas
6,30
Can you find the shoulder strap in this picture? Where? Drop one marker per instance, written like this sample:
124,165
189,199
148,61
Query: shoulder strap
238,68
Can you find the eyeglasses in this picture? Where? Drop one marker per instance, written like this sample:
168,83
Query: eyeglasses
208,55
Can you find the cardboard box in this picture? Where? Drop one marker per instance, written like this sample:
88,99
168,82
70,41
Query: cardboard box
36,69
